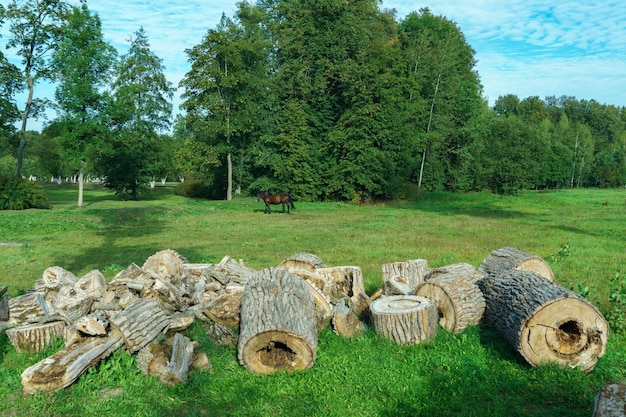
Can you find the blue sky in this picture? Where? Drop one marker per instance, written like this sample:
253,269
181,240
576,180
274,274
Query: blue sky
523,47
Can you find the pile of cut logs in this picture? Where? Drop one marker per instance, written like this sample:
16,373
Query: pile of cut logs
274,315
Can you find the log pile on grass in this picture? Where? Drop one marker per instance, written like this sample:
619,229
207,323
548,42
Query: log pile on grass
274,315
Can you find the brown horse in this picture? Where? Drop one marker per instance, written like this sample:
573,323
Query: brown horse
282,198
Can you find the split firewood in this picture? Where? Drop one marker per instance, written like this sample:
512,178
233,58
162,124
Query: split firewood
140,323
345,322
166,264
405,319
504,259
93,283
277,330
225,308
347,281
181,320
322,305
221,334
396,285
64,367
544,321
28,308
320,282
95,324
153,358
171,294
178,366
133,277
56,276
413,272
72,302
306,261
35,337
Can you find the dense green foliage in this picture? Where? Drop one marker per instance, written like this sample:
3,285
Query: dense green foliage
578,232
327,100
20,194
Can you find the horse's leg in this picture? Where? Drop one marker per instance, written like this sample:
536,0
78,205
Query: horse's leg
268,209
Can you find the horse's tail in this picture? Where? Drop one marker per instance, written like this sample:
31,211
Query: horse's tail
290,201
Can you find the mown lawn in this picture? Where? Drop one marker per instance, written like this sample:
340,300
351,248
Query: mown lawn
580,233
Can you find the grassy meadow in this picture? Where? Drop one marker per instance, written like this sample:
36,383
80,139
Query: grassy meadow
580,233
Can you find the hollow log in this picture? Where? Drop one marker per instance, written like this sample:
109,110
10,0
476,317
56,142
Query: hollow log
347,281
461,269
35,337
544,321
413,272
306,261
277,327
140,323
460,303
504,259
64,367
405,319
56,276
167,264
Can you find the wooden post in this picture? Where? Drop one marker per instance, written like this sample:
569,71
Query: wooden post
277,326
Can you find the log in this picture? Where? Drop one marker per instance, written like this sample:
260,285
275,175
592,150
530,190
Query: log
134,278
56,276
396,285
413,272
166,264
35,337
544,321
229,270
64,367
72,303
95,324
28,308
225,309
93,284
405,319
277,327
510,258
345,322
461,269
306,261
178,366
221,334
322,305
4,308
140,323
347,281
460,303
610,401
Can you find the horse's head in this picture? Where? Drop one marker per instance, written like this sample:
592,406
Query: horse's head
261,196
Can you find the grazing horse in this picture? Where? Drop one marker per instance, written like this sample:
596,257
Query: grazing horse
282,198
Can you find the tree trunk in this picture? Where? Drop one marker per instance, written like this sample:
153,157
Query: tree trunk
461,269
64,367
413,271
460,303
277,330
544,321
81,186
504,259
610,401
405,319
35,337
25,114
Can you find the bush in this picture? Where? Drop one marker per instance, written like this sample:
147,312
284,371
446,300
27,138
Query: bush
193,189
20,194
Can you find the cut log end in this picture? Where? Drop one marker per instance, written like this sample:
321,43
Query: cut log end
406,320
273,351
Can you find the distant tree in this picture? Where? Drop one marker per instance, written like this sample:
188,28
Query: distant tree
83,62
35,30
141,109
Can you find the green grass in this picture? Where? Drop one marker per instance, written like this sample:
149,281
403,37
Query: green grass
580,233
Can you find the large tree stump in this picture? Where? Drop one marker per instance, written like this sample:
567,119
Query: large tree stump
306,261
64,367
35,337
277,327
405,319
544,321
347,281
413,272
460,303
504,259
140,323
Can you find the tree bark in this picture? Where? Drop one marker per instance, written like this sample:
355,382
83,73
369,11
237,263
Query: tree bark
544,321
510,258
35,337
277,328
413,272
610,401
461,269
304,260
347,281
140,323
405,319
178,366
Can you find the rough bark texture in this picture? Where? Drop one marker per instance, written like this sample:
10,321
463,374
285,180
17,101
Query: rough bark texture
277,327
225,309
413,272
140,323
345,322
306,261
28,308
461,269
610,401
405,319
460,303
544,321
510,258
35,337
178,366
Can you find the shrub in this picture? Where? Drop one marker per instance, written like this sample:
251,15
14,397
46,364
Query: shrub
20,194
193,189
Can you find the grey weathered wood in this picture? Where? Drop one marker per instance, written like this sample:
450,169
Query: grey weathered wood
405,319
35,337
347,281
140,323
304,260
225,308
95,324
178,366
462,269
4,307
345,321
56,276
413,271
544,321
28,308
277,326
610,401
167,264
221,334
511,258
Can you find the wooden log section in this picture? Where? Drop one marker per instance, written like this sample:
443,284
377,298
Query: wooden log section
178,366
405,319
28,308
460,303
277,326
510,258
347,281
345,322
544,321
167,264
35,337
140,323
461,269
306,261
413,272
56,276
610,401
64,367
